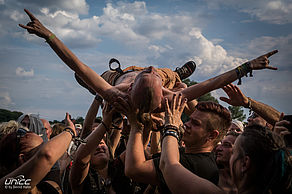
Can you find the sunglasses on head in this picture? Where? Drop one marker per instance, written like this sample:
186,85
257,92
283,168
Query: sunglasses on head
21,132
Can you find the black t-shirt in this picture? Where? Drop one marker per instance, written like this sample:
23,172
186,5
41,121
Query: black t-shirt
201,164
120,183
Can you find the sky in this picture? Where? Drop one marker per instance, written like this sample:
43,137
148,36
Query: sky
218,35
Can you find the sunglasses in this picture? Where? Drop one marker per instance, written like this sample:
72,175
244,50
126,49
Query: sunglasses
21,132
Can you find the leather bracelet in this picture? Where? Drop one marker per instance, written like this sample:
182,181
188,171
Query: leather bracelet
68,129
170,133
98,98
166,127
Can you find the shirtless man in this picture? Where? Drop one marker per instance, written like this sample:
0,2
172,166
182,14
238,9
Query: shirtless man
146,91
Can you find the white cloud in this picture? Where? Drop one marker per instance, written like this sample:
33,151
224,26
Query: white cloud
2,2
5,99
270,11
16,16
281,43
21,72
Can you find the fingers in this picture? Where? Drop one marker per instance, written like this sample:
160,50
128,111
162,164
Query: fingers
167,109
26,27
272,68
266,56
179,102
270,53
225,99
184,103
229,89
173,104
31,16
281,116
283,133
67,117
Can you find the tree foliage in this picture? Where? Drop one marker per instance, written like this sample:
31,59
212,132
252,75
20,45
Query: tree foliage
237,112
7,115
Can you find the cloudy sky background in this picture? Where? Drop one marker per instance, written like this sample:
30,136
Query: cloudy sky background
218,35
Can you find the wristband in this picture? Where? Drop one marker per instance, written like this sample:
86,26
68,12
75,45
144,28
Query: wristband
98,98
242,70
51,37
68,129
170,133
167,127
249,105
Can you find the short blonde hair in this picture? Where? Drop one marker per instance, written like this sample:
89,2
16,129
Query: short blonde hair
8,127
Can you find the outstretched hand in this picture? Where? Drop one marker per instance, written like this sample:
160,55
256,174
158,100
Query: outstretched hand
69,123
173,113
236,97
35,26
107,113
263,62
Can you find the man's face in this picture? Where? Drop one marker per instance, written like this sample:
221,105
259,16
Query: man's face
235,163
196,134
100,157
224,150
25,121
235,128
48,128
255,119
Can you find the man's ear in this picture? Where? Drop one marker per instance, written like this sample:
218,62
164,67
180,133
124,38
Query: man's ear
245,164
213,135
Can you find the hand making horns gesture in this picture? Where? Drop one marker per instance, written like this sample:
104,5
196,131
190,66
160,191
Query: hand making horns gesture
262,62
35,26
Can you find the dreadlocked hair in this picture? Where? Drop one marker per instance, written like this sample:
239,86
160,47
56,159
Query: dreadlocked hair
220,120
270,158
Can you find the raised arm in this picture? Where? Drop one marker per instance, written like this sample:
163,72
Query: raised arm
136,166
237,98
202,88
40,164
87,74
90,117
82,158
177,177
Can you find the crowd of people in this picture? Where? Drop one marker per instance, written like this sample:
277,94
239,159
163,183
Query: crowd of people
141,144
